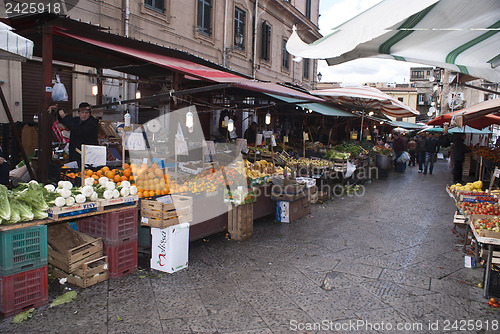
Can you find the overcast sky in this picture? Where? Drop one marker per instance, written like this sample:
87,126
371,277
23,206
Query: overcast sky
356,72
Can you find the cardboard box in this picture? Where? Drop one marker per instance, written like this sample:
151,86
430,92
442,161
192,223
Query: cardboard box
287,212
170,248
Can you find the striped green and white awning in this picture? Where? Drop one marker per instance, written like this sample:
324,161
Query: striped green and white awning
461,35
13,46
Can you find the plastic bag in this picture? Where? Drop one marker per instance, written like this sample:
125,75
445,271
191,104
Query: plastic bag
59,91
404,157
350,169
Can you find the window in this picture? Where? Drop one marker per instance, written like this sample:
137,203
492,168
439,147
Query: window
285,63
308,9
204,17
400,99
239,28
417,74
306,68
265,50
421,98
158,5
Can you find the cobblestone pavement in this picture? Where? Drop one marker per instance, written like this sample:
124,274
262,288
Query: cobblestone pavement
385,259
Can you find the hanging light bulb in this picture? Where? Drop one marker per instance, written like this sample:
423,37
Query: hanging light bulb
268,118
381,122
189,120
224,122
94,90
138,95
370,113
230,125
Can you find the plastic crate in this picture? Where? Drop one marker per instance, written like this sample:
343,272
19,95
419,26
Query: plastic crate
23,249
114,228
122,259
23,291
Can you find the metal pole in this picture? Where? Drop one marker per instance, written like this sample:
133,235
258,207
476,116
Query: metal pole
361,131
44,130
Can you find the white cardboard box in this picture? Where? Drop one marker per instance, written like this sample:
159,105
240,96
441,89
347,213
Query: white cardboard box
170,248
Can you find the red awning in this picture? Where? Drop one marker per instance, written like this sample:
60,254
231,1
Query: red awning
195,70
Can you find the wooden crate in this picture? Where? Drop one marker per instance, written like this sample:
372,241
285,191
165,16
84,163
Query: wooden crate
459,220
88,274
240,222
69,249
161,215
105,204
73,210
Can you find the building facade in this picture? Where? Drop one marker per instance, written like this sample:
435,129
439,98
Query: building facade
244,36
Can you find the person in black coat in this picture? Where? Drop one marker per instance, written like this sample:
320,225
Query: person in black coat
251,134
459,150
4,169
84,129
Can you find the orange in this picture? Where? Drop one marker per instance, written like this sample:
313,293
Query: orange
105,169
125,166
110,175
151,193
154,166
95,177
158,172
163,192
117,178
157,192
99,173
139,193
124,178
89,172
127,172
132,166
131,178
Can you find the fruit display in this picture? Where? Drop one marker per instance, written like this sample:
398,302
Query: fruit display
471,186
379,149
489,224
353,149
336,155
211,180
308,162
492,155
480,208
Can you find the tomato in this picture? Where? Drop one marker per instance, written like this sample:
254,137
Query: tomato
490,303
495,305
493,300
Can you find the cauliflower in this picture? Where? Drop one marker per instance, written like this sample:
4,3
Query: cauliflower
133,190
50,188
125,192
89,181
87,191
70,201
80,198
103,180
125,184
60,201
108,194
116,193
110,185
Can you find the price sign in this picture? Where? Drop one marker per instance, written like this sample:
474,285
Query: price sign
306,136
497,172
135,142
258,140
94,155
273,141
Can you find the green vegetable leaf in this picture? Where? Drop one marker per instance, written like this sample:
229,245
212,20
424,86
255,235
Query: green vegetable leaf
65,298
142,276
23,316
4,203
119,318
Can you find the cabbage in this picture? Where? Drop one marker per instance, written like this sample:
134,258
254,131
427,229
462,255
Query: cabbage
4,203
34,197
21,208
14,211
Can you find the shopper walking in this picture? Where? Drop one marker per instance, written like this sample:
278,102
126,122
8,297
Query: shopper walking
421,151
431,149
412,149
399,146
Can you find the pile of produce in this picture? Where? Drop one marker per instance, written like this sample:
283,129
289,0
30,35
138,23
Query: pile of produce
211,180
26,202
492,155
336,155
488,224
469,187
480,208
349,147
308,162
379,149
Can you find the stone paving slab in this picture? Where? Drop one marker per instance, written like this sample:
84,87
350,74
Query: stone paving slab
389,255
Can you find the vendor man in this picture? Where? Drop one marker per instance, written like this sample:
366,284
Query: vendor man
251,133
83,128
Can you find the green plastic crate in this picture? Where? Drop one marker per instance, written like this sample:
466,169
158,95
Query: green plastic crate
23,249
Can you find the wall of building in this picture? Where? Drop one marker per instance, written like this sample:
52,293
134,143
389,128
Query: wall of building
10,74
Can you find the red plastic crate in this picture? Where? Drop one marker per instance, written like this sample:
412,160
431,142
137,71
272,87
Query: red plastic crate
23,291
122,259
114,228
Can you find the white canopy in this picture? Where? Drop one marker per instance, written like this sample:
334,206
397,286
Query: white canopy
13,46
461,35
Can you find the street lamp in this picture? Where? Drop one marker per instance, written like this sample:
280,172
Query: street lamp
238,40
268,118
320,76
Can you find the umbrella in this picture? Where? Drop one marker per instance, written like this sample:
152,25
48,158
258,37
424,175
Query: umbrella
366,98
465,129
478,123
460,35
478,113
13,46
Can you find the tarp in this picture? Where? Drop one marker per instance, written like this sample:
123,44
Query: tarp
13,46
316,107
406,125
367,98
461,35
465,129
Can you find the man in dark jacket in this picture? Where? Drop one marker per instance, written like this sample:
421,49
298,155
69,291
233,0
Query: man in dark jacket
459,150
421,151
431,149
84,130
399,146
